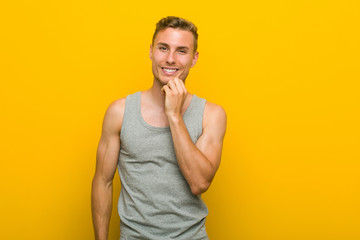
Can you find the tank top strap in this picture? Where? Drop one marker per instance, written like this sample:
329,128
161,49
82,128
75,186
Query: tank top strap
130,113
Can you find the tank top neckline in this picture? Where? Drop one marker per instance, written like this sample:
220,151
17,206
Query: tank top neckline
151,127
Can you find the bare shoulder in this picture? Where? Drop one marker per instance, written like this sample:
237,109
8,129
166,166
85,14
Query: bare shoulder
213,110
117,107
114,115
214,116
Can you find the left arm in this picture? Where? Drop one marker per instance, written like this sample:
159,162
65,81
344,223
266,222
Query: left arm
197,162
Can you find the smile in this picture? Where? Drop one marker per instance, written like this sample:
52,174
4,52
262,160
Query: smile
169,70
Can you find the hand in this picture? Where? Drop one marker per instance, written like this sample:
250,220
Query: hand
175,95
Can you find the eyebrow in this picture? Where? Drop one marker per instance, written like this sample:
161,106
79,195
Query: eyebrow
167,45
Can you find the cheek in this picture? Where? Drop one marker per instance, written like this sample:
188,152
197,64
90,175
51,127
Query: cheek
186,62
154,66
156,60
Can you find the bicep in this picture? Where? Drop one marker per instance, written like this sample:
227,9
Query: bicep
210,142
107,157
109,145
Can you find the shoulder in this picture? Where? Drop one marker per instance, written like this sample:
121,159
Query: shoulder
114,115
117,107
212,110
214,116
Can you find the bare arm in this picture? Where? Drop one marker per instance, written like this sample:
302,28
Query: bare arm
197,162
106,162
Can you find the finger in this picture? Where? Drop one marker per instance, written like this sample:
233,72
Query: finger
171,84
177,82
165,89
180,84
178,75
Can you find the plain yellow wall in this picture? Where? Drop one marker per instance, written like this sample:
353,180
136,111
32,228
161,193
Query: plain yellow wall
287,73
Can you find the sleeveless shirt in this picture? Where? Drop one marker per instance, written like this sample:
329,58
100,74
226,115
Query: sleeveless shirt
155,200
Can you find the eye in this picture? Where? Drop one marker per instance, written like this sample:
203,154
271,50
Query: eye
162,48
182,51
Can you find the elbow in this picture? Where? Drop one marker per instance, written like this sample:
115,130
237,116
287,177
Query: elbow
99,181
197,189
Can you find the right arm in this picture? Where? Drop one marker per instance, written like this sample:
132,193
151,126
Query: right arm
106,162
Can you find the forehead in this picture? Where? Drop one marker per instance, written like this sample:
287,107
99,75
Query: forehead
175,38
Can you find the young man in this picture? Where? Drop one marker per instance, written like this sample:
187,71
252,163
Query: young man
167,145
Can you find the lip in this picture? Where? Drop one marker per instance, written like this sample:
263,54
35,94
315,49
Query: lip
169,73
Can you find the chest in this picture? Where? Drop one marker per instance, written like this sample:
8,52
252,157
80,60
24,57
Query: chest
153,116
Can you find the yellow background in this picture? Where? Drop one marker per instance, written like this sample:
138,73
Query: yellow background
287,73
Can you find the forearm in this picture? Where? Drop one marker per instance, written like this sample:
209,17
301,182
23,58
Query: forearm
101,204
195,167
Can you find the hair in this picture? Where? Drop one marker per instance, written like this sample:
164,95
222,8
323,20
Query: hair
176,22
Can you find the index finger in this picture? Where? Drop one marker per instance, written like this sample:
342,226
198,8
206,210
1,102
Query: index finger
178,76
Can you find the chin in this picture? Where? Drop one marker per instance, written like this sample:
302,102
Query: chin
165,79
162,81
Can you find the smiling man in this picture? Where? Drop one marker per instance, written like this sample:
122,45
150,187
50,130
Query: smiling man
166,143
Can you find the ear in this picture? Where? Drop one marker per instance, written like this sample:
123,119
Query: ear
195,58
151,50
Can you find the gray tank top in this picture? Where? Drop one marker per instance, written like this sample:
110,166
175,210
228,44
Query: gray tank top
155,200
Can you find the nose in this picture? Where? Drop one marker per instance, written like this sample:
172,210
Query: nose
170,58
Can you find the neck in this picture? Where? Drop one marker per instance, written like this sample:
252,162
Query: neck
154,93
157,98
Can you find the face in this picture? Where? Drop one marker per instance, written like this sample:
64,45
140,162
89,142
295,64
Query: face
172,55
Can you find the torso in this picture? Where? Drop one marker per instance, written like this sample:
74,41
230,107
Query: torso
153,186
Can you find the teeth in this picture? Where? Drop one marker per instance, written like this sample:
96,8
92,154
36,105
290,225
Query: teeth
169,70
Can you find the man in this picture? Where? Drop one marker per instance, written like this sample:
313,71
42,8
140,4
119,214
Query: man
167,145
